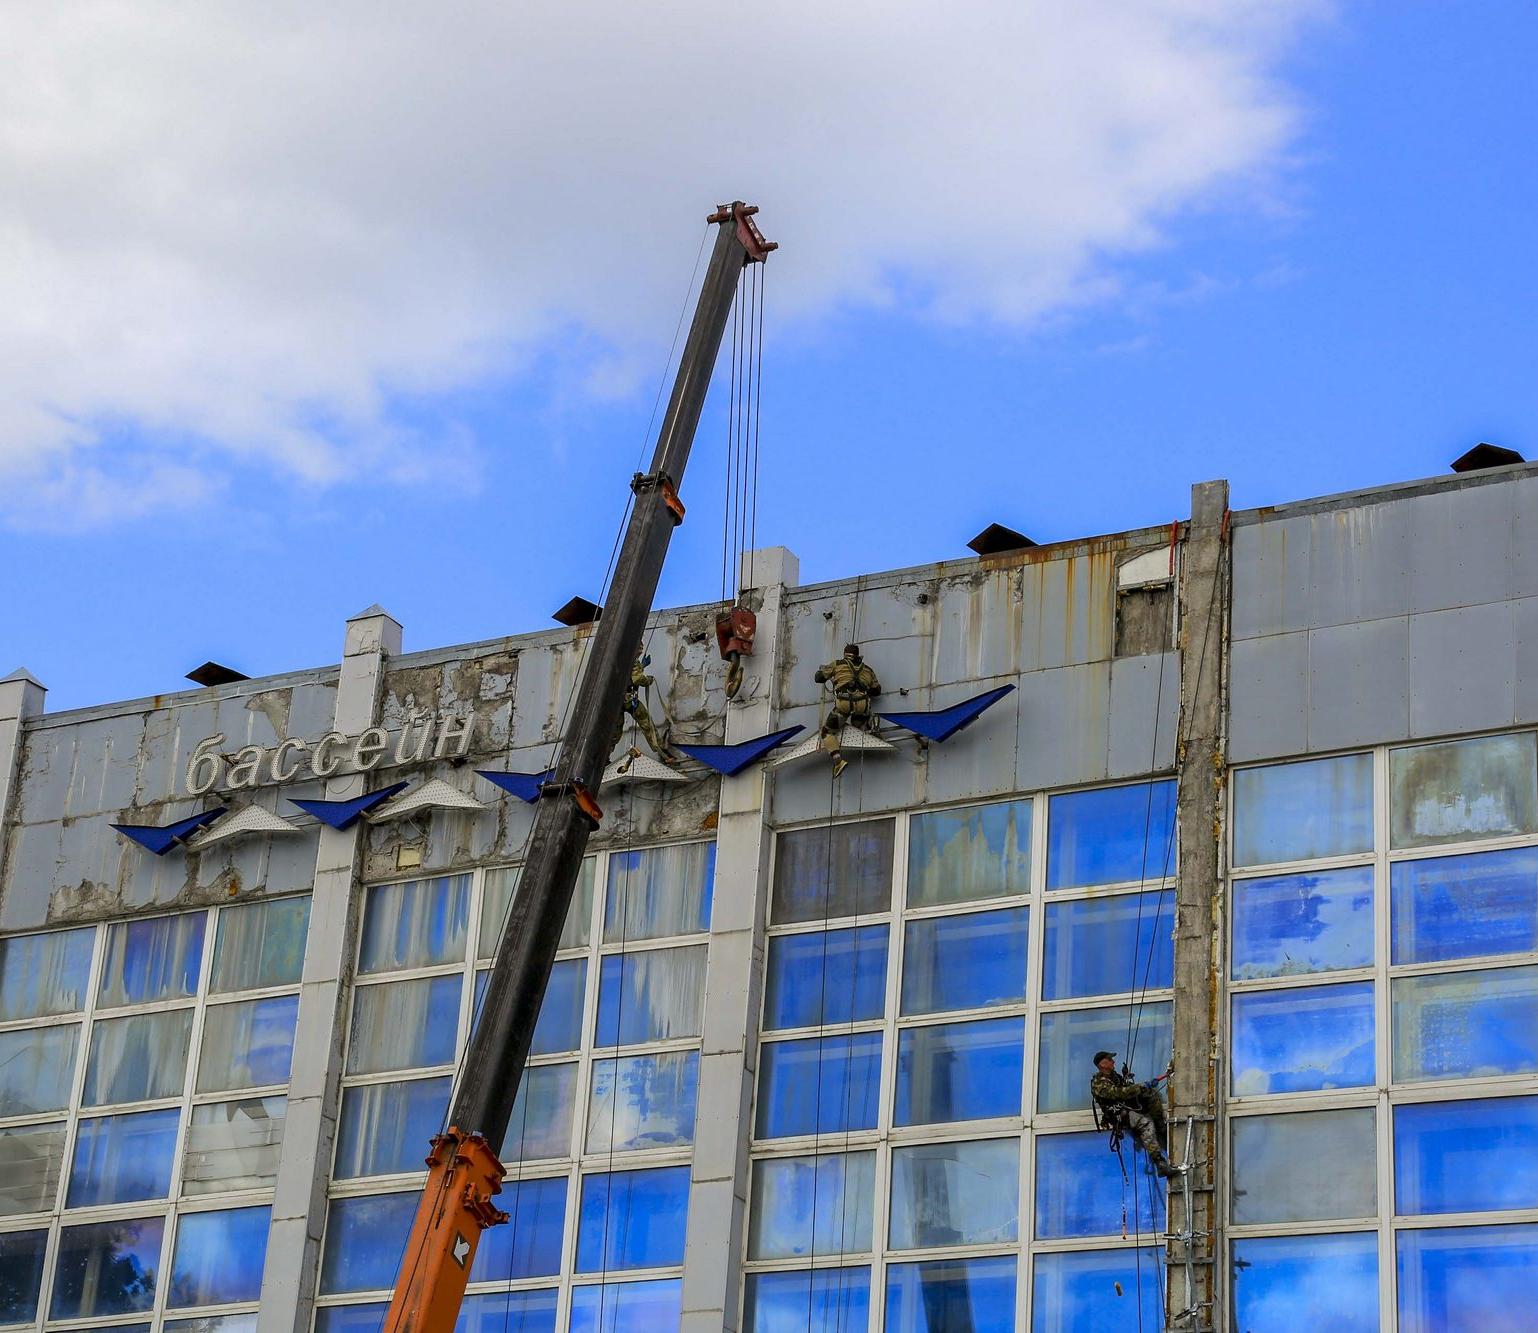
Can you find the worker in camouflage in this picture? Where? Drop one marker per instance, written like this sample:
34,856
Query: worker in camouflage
854,687
635,707
1122,1104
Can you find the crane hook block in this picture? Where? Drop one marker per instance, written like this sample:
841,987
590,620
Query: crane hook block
755,248
735,631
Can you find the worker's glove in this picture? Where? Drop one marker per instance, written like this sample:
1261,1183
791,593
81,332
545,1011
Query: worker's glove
1151,1086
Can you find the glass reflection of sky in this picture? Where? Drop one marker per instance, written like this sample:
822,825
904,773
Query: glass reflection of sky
1284,1284
829,1300
1106,946
643,1101
835,976
219,1256
1297,812
1112,835
788,1192
508,1312
1286,925
106,1268
44,974
959,1071
633,1219
1467,1279
1466,1024
1465,1157
1075,1291
529,1243
415,924
1303,1039
973,1294
627,1307
1305,1166
968,961
121,1158
1069,1039
384,1126
818,1085
1079,1189
1465,906
364,1240
955,1194
957,856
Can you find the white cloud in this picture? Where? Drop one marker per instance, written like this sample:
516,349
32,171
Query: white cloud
236,230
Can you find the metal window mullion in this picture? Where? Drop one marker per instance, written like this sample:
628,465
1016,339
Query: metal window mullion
1036,980
1466,846
1478,963
1302,980
1383,1019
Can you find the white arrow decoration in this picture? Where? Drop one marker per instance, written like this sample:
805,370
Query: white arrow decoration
461,1249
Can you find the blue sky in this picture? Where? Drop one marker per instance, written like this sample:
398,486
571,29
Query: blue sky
1339,297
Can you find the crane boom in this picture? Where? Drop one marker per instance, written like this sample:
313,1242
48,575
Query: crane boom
464,1172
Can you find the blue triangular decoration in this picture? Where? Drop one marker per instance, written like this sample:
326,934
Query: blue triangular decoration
944,723
525,786
344,814
730,759
161,840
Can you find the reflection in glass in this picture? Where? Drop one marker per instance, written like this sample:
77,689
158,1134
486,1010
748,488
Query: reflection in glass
1076,1291
106,1268
1079,1188
364,1240
1305,1166
940,1297
788,1192
1112,835
1286,1283
403,1024
123,1158
964,962
828,1300
1465,906
157,959
44,974
248,1044
138,1058
643,1101
1466,1157
1318,921
651,996
1303,811
1485,787
659,891
1302,1039
960,856
37,1069
827,976
31,1160
497,892
385,1127
260,944
540,1125
959,1071
955,1194
219,1256
634,1307
21,1275
832,871
559,1026
1069,1039
819,1085
1466,1024
632,1219
210,1323
350,1318
1103,946
1467,1279
508,1312
529,1244
234,1145
415,924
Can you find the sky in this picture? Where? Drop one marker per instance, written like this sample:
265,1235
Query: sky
312,307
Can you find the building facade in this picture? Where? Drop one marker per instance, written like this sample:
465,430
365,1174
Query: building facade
1261,804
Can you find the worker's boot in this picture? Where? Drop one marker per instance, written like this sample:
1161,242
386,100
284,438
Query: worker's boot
1162,1165
839,763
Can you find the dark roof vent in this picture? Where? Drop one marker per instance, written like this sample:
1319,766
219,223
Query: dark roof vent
578,611
996,539
1484,455
211,673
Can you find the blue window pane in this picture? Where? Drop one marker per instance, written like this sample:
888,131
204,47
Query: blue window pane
351,1318
403,1025
659,891
37,1069
1467,1279
964,962
542,1114
529,1243
1068,1040
44,974
654,995
1457,790
121,1158
959,1071
1465,906
158,959
837,1189
138,1058
1103,946
1303,1039
1304,1166
21,1275
1466,1024
1286,1283
818,1085
214,1323
1080,1192
959,856
1286,925
385,1127
416,924
1111,836
249,1044
508,1312
832,871
559,1026
219,1256
955,1194
365,1238
260,944
1076,1291
1466,1157
633,1219
832,976
1298,812
827,1300
643,1101
973,1294
107,1268
628,1307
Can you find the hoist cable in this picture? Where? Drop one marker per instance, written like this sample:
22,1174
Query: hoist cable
758,399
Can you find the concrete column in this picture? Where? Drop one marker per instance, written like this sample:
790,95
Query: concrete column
21,698
729,1056
1195,1296
299,1206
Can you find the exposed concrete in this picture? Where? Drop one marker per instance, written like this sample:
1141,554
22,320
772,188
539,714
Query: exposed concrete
21,700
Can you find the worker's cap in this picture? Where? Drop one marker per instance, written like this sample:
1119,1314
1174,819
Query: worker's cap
852,648
1104,1055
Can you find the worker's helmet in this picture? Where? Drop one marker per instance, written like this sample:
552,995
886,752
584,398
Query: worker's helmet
1103,1055
851,648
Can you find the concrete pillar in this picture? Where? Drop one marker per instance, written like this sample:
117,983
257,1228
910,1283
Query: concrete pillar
21,698
299,1206
1195,1296
734,983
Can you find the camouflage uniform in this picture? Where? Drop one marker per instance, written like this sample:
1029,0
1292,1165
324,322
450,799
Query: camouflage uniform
1122,1103
854,686
635,706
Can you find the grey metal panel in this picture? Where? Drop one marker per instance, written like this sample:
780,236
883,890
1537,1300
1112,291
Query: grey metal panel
1145,713
1460,554
33,853
1462,669
1271,577
978,624
1359,683
978,760
1524,537
1525,622
1359,564
1064,731
1267,696
1077,618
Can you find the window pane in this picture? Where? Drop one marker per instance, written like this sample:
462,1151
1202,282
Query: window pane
260,944
1298,812
828,1300
213,1323
31,1161
122,1158
542,1113
44,974
158,959
1286,1283
818,1085
498,891
37,1069
1457,790
1076,1291
633,1219
249,1044
1303,1167
955,1194
973,1294
830,976
529,1244
219,1256
1467,1279
403,1024
106,1268
1466,1157
1303,1039
385,1127
1466,1024
959,856
1286,925
651,996
234,1145
21,1275
1080,1191
350,1318
559,1027
964,962
832,871
364,1241
1111,836
1103,946
959,1071
788,1192
635,1307
415,924
508,1312
1068,1040
1465,906
643,1101
138,1058
659,891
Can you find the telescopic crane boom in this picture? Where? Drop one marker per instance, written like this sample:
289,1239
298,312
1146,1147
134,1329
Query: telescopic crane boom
464,1172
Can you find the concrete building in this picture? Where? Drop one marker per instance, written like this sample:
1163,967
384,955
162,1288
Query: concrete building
816,1054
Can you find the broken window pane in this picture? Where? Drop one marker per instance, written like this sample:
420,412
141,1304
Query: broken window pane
1465,906
827,976
819,1085
1466,1279
123,1158
138,1058
260,944
834,1300
959,1071
971,961
158,959
107,1268
542,1114
44,974
1466,1157
248,1044
365,1238
1079,1188
403,1024
31,1160
643,1101
235,1145
1481,788
1300,812
1287,925
1302,1039
955,1194
385,1127
958,856
1466,1024
949,1294
416,924
636,1307
1286,1283
1069,1039
498,891
1304,1167
21,1275
37,1069
1100,946
1113,835
838,1188
1075,1291
655,995
659,891
633,1219
219,1256
529,1243
837,871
